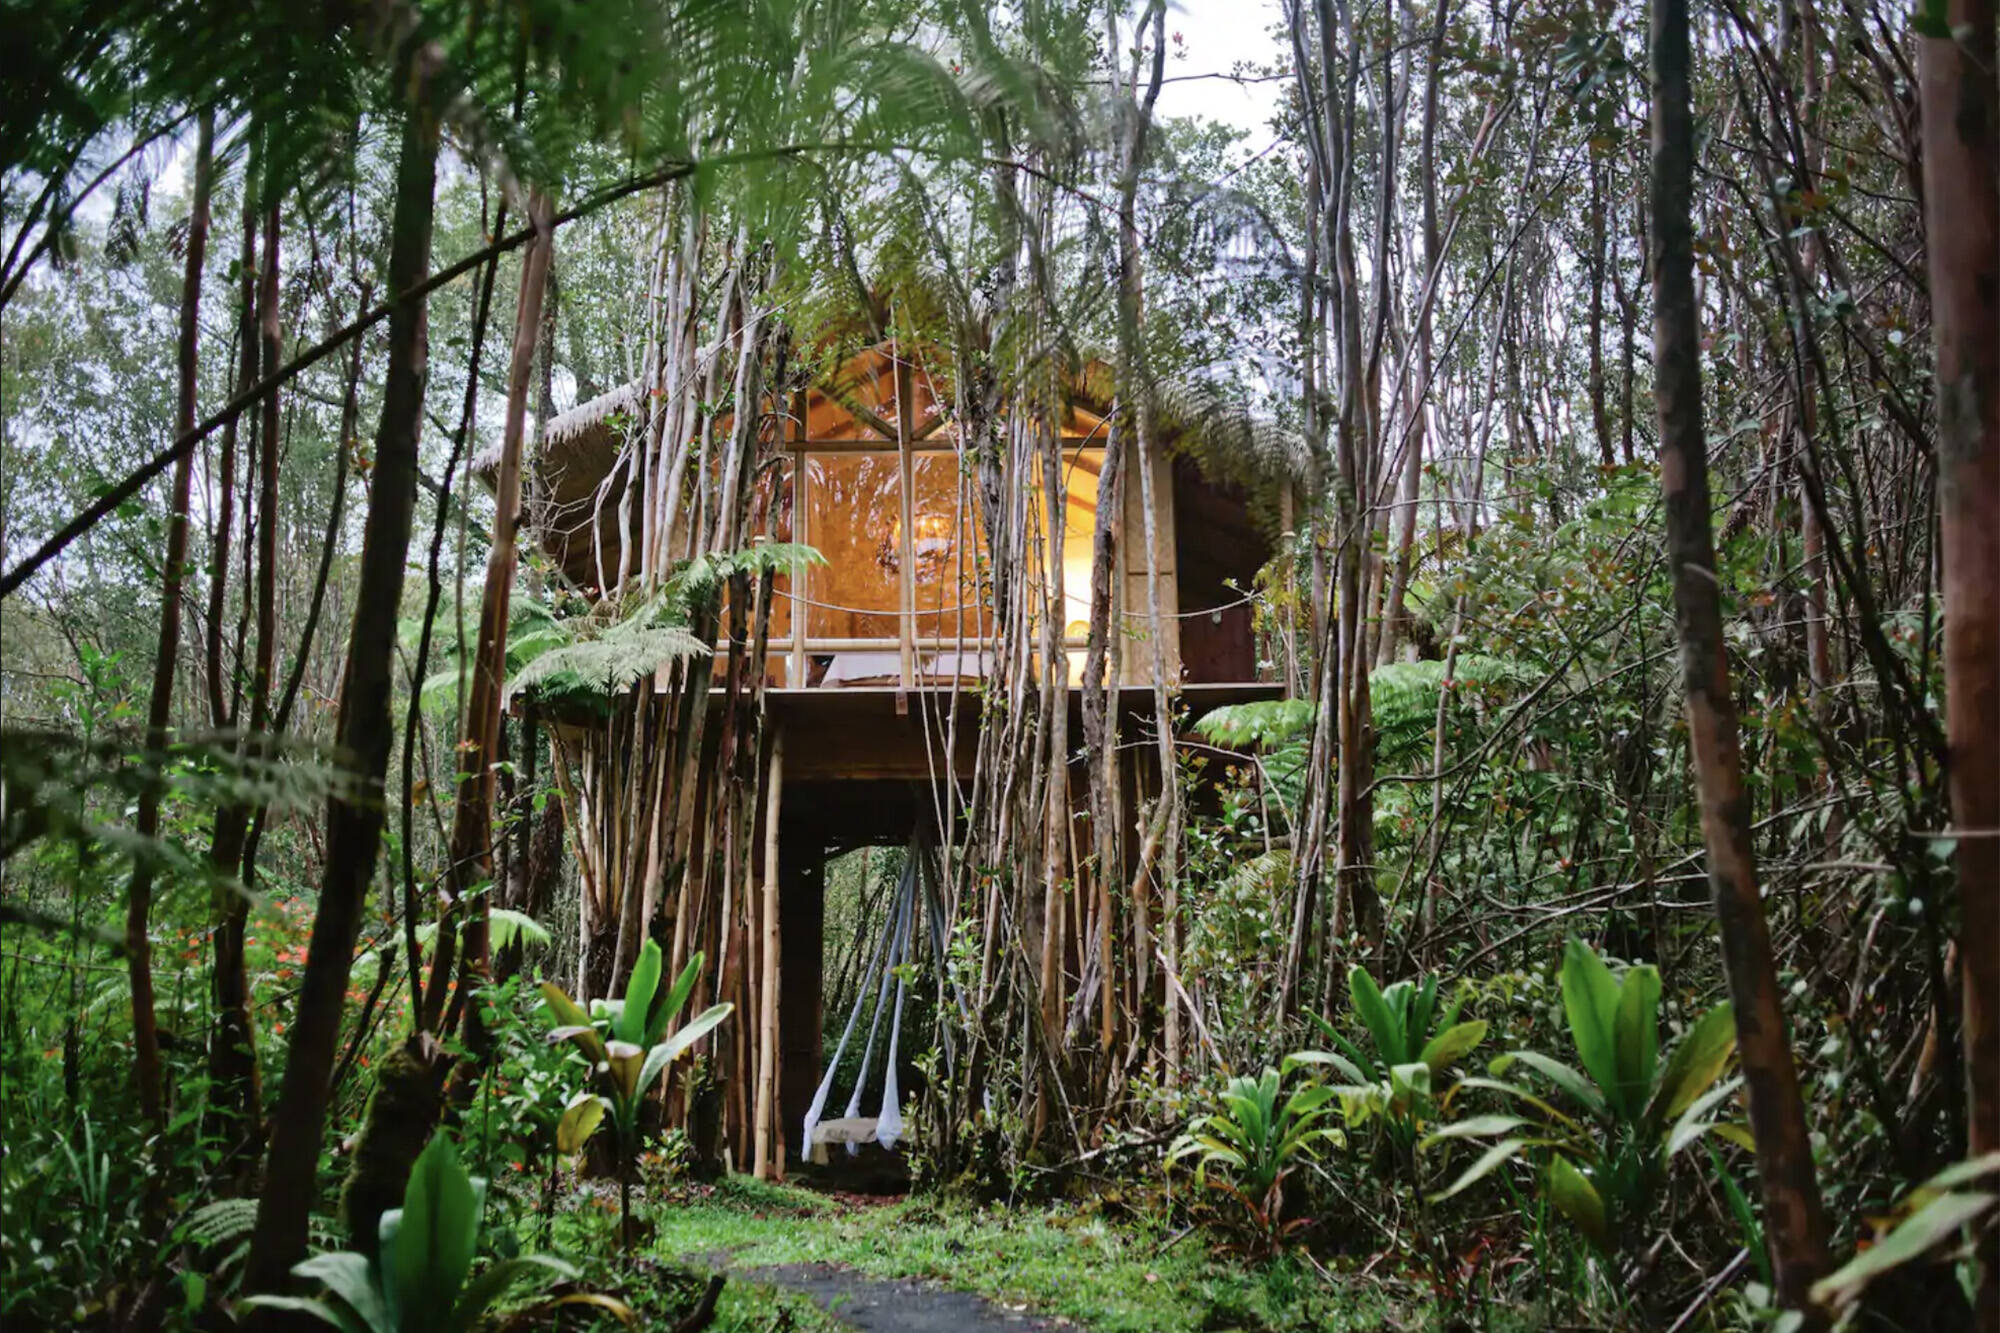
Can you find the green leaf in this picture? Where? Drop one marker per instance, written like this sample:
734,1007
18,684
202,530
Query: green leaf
1638,1038
1450,1046
1369,1070
625,1059
1383,1025
677,998
1489,1161
354,1283
1556,1072
1339,1064
1912,1239
1475,1127
1737,1133
580,1119
1694,1121
504,928
1697,1061
439,1231
587,1039
507,927
1515,1090
573,1023
645,979
696,1028
1746,1216
1409,1084
490,1285
1417,1020
1577,1199
1590,1000
1964,1173
339,1316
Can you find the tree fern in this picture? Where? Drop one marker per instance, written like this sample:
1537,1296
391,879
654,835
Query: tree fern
1404,696
598,669
505,927
1263,724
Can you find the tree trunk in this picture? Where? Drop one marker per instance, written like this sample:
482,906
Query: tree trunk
235,1093
1600,418
1794,1225
1961,117
159,712
1133,425
767,1160
472,814
270,341
364,733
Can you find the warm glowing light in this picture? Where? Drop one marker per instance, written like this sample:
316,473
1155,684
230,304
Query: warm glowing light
933,546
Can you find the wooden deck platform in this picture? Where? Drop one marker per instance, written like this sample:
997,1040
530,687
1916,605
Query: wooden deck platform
878,733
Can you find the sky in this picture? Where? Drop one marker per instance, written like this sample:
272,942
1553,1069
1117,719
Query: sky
1215,35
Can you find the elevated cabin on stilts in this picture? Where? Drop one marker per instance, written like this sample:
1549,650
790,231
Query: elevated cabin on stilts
855,718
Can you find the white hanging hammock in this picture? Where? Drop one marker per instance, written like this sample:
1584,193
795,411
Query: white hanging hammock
891,951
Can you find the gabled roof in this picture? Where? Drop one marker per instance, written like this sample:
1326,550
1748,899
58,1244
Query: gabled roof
575,462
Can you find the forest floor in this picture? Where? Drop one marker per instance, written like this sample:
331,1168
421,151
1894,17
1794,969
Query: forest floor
804,1261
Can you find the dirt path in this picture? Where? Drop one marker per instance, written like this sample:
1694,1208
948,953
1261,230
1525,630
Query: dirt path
879,1305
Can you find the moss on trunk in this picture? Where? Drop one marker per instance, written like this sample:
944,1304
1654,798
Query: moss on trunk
404,1111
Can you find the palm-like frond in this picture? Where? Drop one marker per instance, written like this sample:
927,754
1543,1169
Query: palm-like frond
1404,696
597,669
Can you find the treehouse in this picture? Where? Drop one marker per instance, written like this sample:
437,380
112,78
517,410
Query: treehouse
877,664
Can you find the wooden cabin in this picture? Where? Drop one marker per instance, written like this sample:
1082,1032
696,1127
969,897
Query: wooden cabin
875,658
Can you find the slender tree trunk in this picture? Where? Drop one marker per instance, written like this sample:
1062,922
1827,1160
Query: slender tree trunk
768,1152
1600,417
1794,1225
364,734
472,813
234,1091
1134,420
1961,114
270,340
220,710
159,712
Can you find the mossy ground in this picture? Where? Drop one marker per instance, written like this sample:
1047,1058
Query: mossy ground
1073,1260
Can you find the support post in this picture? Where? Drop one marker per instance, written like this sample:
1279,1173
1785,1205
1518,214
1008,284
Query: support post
766,1110
801,533
801,967
906,557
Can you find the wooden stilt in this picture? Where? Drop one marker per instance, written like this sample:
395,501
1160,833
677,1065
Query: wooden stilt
767,996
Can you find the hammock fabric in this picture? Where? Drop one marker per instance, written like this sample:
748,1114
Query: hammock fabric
892,950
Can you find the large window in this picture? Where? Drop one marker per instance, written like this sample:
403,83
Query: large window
897,607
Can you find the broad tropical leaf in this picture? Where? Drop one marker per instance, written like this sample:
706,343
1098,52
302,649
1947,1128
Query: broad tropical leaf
1697,1061
438,1231
1590,1000
1578,1200
1448,1047
580,1119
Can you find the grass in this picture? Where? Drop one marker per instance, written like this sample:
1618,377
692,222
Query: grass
1066,1260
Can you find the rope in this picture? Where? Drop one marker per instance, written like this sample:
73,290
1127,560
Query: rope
799,599
818,1107
889,1125
881,1003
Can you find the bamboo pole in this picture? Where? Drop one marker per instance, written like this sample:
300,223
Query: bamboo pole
906,556
766,1168
801,533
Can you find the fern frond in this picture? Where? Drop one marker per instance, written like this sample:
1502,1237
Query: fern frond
1262,724
611,665
220,1221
